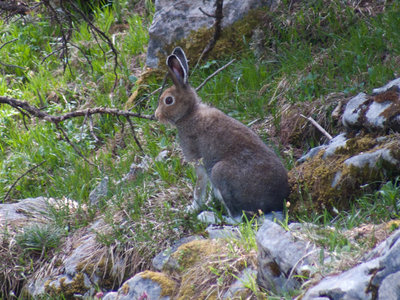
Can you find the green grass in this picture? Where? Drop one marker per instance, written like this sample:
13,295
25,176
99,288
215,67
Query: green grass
38,239
311,51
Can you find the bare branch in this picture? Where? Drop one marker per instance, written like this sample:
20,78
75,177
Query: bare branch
26,109
215,73
66,138
36,112
319,127
217,30
14,7
134,134
19,178
103,36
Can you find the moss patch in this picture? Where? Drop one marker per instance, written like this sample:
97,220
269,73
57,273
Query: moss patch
312,182
68,288
168,286
207,268
143,85
229,43
190,253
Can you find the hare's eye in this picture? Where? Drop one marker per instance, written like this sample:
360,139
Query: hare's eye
169,100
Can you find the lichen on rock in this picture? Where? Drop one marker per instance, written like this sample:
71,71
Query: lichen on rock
333,181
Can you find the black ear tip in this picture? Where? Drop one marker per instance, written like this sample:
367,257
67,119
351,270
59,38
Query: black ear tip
177,50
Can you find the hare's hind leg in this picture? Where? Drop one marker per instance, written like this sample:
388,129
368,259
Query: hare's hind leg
222,180
200,190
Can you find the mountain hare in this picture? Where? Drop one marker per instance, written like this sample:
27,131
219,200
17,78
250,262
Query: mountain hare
245,174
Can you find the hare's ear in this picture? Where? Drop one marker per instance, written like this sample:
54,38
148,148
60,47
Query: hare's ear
178,51
178,67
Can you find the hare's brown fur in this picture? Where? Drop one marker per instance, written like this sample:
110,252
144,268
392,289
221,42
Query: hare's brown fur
245,172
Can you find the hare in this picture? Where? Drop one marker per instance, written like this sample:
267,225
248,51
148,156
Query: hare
245,174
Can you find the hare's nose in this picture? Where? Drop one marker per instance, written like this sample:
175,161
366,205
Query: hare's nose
157,114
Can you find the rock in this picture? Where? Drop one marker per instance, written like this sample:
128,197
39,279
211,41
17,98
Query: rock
110,296
371,159
160,259
210,217
380,111
376,278
329,149
175,20
281,257
145,285
222,232
19,214
82,266
335,143
100,191
334,174
238,286
390,287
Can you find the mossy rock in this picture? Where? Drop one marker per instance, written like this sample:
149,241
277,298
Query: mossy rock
231,42
334,181
168,286
66,287
143,86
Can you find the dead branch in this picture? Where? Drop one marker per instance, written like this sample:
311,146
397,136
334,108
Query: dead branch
66,138
15,7
103,36
134,134
19,178
319,127
28,110
36,112
217,29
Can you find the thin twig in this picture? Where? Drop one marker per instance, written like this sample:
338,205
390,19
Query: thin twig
91,129
160,89
215,73
103,36
319,127
66,138
50,54
145,98
9,65
19,178
134,134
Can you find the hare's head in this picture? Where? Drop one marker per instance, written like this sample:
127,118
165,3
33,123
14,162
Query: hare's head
177,101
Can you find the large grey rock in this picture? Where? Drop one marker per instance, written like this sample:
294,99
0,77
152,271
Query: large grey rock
22,212
175,19
379,111
376,275
371,159
162,258
390,287
145,285
281,257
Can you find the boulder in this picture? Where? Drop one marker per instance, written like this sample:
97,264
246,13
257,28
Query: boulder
281,257
145,285
379,111
368,152
175,20
376,278
162,258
